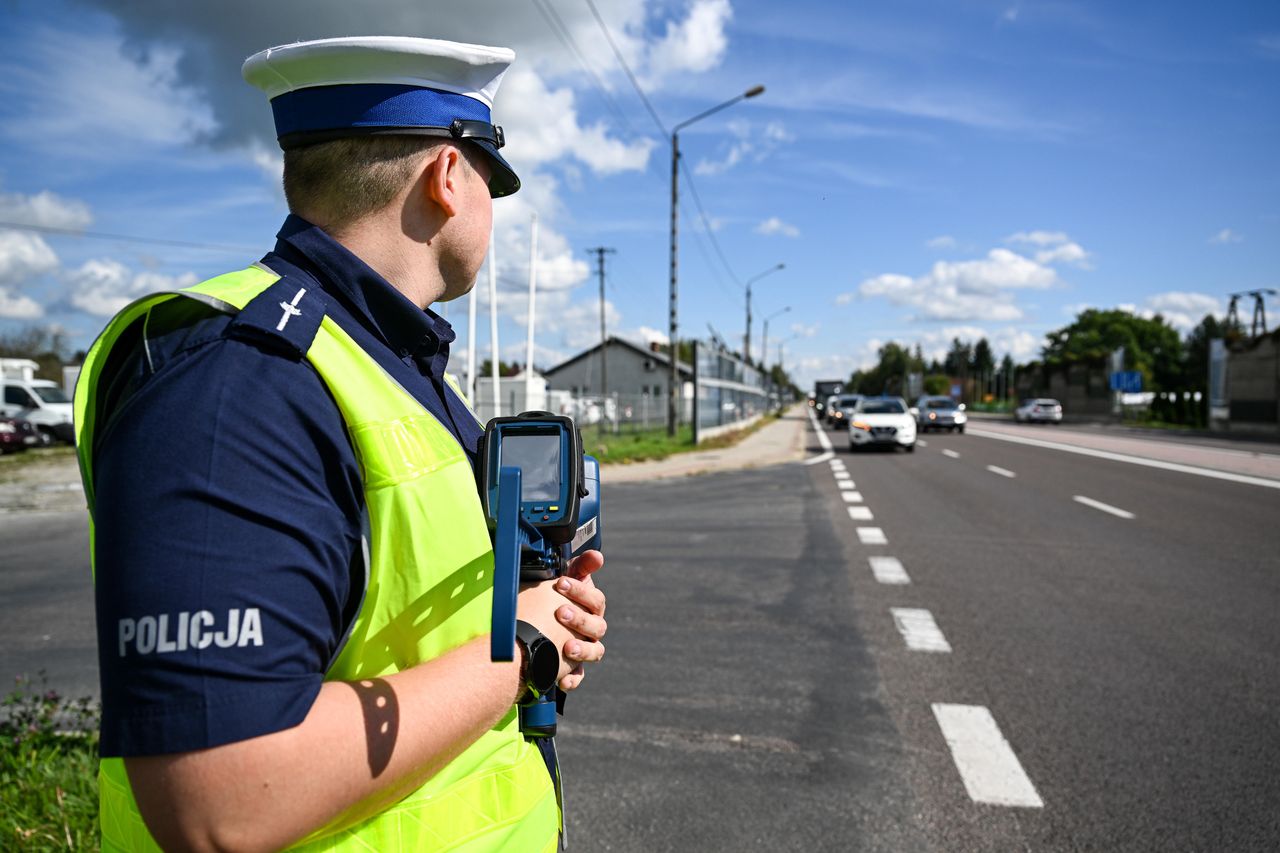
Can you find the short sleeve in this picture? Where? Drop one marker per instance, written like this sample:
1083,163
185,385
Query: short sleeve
228,558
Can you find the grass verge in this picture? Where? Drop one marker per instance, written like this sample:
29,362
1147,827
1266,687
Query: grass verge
48,770
647,445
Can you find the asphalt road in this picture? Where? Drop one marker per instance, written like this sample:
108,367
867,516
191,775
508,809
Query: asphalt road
760,694
1130,665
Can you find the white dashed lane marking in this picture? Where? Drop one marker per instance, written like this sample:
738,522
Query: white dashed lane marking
852,497
988,767
1003,472
918,629
922,442
889,570
860,513
845,485
1114,510
842,475
950,453
872,536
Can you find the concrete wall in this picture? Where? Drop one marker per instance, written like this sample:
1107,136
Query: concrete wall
1253,385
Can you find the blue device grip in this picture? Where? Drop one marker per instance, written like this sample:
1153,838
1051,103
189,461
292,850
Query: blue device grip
506,566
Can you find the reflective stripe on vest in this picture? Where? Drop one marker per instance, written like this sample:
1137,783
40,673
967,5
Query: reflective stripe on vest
429,591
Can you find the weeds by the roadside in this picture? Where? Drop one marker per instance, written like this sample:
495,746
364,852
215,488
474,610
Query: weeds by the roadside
48,769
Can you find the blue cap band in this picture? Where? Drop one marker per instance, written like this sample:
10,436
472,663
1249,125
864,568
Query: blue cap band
320,108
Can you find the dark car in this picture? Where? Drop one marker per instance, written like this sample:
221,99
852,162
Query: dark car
17,434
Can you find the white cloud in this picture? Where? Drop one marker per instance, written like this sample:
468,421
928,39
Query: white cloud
1038,238
773,226
102,287
80,91
1065,253
542,126
24,256
45,209
845,298
965,290
801,330
1226,235
942,243
698,43
1021,345
751,143
1182,309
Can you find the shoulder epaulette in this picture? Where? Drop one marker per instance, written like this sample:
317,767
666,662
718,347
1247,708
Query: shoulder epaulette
285,316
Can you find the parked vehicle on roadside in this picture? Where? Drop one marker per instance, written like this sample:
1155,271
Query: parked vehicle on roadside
42,403
939,413
884,421
17,434
1040,410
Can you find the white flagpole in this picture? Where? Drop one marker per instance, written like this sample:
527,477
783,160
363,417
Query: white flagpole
471,343
533,295
493,320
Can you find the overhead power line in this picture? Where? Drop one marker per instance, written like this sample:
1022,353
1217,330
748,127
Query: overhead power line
128,238
557,25
635,84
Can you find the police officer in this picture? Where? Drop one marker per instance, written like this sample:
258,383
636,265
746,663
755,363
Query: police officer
293,575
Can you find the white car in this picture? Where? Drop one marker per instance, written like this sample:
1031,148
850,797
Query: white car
1041,410
884,421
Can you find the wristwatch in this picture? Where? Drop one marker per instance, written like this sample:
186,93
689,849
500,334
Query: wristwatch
540,663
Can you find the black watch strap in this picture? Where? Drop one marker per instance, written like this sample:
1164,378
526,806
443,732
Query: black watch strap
541,662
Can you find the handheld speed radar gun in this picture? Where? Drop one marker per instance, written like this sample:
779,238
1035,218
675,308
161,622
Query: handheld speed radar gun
541,498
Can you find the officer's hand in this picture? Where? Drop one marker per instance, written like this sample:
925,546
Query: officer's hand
588,617
564,621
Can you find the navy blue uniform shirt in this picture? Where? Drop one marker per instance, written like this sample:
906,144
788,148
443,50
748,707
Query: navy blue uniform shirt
228,495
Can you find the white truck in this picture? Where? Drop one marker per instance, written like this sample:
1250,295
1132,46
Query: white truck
39,401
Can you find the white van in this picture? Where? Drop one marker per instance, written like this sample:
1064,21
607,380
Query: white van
39,401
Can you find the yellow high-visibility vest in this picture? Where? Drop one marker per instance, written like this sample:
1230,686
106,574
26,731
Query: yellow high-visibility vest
429,590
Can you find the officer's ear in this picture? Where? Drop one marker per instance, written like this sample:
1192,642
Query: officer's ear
444,178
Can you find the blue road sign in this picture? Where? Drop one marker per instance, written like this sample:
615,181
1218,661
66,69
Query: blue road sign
1127,381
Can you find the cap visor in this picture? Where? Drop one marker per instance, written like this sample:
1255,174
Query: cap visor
503,180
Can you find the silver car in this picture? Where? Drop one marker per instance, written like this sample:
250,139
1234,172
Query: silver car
939,413
1042,410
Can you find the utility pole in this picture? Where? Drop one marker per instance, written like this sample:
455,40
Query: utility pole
600,252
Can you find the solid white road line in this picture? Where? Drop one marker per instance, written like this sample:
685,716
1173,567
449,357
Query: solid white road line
919,630
1133,460
1003,472
860,513
821,457
845,484
889,570
872,536
990,771
1114,510
822,434
852,497
951,453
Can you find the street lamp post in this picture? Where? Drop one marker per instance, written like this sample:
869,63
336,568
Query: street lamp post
746,339
673,379
764,344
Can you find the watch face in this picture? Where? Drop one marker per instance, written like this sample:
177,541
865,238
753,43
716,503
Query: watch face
544,664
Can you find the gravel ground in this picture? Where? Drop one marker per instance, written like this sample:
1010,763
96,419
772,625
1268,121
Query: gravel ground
40,480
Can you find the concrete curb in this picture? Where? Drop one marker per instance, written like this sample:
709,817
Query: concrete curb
779,443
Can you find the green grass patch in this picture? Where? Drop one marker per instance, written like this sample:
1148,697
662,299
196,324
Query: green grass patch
12,463
646,445
48,770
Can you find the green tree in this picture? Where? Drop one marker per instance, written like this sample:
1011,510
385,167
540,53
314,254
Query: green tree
1151,346
45,345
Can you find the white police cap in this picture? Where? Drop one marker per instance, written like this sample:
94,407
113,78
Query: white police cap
333,88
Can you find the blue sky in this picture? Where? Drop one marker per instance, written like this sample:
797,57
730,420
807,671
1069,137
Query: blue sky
923,169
